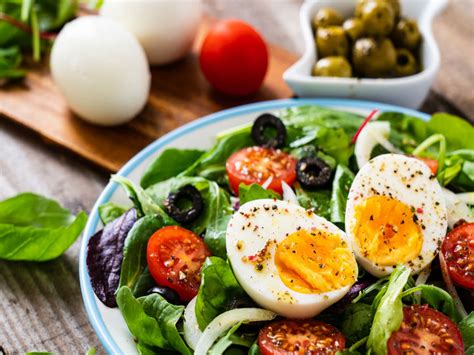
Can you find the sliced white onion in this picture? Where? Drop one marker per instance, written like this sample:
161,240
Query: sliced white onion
267,182
383,140
374,133
191,331
288,194
457,208
223,322
422,278
450,286
466,197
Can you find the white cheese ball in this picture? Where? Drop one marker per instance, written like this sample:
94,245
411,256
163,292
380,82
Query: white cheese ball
101,69
165,28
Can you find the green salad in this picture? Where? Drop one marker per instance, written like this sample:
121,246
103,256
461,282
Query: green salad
307,231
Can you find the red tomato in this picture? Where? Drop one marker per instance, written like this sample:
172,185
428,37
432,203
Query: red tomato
175,256
288,337
432,164
425,331
257,164
234,58
458,251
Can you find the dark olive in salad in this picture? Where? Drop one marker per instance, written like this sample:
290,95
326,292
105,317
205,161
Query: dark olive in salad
176,201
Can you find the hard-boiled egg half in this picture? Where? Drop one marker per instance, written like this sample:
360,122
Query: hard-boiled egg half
288,259
395,214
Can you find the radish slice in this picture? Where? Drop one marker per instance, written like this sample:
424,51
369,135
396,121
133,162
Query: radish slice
223,322
423,276
191,331
457,208
367,120
267,182
450,286
373,134
288,194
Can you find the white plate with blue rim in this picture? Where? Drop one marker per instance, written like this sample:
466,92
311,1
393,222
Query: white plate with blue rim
108,322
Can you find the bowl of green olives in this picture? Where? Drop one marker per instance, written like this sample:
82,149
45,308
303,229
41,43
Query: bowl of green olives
380,50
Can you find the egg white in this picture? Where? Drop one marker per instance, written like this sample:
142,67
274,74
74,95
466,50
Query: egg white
249,229
410,181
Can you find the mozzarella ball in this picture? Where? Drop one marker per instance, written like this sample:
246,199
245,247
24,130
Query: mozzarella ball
395,214
101,70
165,28
289,260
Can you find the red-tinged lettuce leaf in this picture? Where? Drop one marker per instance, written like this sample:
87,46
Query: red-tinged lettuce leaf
105,255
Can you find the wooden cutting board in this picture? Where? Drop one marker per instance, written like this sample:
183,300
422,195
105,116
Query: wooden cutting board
179,94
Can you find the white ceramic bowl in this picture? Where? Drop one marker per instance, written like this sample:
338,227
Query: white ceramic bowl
409,91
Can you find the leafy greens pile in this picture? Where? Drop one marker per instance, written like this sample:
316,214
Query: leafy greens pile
366,320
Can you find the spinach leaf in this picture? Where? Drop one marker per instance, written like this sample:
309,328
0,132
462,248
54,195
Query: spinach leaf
319,201
406,131
356,321
218,288
152,320
252,192
167,316
215,216
105,254
462,162
458,132
227,143
144,283
110,211
10,60
340,190
389,313
34,228
134,250
168,164
466,326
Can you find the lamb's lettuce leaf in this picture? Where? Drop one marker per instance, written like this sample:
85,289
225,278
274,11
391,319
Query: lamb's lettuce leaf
389,312
218,289
466,326
35,228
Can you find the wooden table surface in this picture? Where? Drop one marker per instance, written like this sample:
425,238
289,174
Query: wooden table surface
40,304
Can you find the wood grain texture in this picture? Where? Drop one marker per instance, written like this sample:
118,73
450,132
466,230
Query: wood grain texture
179,94
40,304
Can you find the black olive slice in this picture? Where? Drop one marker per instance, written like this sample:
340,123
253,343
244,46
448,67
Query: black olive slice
167,293
313,172
263,126
172,204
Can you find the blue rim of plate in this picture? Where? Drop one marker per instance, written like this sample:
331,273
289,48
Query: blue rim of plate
86,289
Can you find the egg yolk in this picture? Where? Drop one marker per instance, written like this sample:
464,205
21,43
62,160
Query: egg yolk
315,262
386,231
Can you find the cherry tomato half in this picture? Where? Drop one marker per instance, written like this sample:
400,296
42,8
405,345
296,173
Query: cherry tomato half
458,251
175,256
432,164
257,164
425,331
308,336
234,58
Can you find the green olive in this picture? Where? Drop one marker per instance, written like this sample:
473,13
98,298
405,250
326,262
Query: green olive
372,57
354,28
333,66
327,16
395,4
406,63
377,18
407,34
331,41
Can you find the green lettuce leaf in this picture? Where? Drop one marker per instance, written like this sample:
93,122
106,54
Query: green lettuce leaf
110,211
466,326
340,190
